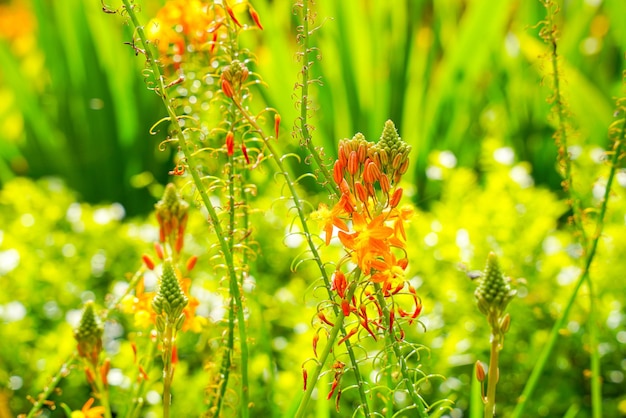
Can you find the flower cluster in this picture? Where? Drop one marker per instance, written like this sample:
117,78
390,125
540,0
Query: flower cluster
185,26
370,226
181,26
172,214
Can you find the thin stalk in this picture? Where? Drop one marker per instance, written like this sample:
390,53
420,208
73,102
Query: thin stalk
562,136
51,387
494,374
304,99
222,239
596,381
535,375
104,397
308,236
138,399
230,342
168,371
389,336
328,348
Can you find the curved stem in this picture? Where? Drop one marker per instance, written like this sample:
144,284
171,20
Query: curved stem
304,99
187,149
308,237
404,371
494,371
535,375
168,372
51,387
328,348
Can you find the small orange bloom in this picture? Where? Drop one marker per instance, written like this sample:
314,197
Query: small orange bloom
368,240
328,219
88,412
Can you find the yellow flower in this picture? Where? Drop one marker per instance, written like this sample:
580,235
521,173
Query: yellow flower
329,218
88,412
369,239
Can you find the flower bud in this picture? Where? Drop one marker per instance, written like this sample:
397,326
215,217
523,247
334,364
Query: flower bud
480,371
493,293
230,143
227,88
276,124
255,17
88,335
338,172
170,298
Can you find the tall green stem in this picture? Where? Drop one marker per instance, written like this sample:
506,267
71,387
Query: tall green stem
304,100
187,149
168,372
535,375
308,237
404,370
52,386
328,348
494,371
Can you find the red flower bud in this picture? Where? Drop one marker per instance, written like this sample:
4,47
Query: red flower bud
104,371
353,163
191,263
148,261
230,143
232,15
227,88
395,198
255,16
305,376
244,150
338,172
159,250
276,124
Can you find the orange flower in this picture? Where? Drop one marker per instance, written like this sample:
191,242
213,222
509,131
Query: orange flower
88,412
180,23
329,218
368,240
389,270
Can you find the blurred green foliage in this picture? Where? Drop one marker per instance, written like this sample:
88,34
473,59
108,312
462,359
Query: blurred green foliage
463,82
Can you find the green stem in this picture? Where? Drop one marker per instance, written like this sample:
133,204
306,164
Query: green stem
390,337
168,372
328,348
568,182
596,381
187,149
51,387
138,396
230,344
535,375
308,236
494,373
304,98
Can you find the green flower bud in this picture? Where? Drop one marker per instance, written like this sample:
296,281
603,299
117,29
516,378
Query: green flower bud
493,293
393,152
170,298
89,335
171,204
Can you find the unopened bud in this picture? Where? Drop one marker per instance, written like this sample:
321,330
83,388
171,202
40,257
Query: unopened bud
395,198
480,371
353,163
230,143
227,88
505,323
276,124
338,172
255,17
